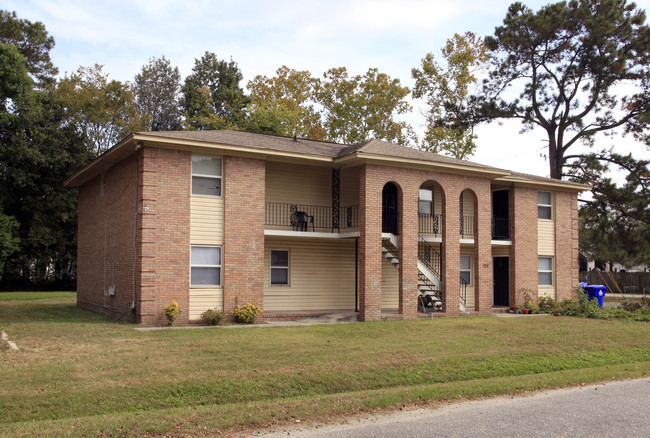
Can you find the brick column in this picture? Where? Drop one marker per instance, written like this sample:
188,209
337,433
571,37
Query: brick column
165,233
370,256
408,251
243,248
451,249
523,252
566,271
483,287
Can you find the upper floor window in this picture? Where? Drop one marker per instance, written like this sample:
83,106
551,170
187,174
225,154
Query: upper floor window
544,205
425,201
206,175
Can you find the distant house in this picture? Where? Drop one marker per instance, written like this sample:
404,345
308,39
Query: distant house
216,218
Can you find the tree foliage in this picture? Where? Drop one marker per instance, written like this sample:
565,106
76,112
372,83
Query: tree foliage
447,89
615,222
360,108
579,68
37,153
284,105
33,42
103,111
212,96
157,91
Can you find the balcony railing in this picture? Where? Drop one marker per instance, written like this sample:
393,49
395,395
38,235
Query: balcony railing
303,217
467,226
500,229
430,224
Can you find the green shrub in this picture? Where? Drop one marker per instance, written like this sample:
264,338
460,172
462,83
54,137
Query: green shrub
212,316
247,313
547,305
172,310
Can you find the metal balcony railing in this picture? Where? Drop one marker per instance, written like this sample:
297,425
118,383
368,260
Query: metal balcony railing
304,217
430,224
500,228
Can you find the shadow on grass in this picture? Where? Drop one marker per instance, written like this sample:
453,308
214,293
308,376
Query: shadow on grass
60,310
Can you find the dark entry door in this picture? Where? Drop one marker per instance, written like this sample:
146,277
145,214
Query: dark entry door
389,209
501,278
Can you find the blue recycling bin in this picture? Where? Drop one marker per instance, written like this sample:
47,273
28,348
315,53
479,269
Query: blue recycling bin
596,291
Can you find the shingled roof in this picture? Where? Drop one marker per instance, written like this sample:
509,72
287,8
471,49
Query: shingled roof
322,150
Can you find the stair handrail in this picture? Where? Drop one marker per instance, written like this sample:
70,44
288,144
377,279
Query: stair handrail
463,291
433,255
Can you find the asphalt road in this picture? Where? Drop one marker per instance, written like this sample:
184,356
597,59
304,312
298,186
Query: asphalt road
613,409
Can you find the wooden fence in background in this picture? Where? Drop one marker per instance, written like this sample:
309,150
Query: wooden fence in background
628,282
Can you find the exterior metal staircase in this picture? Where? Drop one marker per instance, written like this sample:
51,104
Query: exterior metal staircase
429,268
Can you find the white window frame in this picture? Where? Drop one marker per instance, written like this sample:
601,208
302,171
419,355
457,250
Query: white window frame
468,270
201,175
430,202
216,266
545,207
271,268
545,271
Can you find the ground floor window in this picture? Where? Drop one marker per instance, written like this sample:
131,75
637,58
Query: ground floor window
466,269
279,267
545,271
205,266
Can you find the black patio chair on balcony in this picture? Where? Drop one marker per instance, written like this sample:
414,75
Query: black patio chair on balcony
301,220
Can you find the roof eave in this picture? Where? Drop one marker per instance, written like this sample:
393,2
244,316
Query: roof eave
564,185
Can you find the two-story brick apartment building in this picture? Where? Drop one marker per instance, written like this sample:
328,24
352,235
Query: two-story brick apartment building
215,218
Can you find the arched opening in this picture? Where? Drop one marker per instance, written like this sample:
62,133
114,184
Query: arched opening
389,209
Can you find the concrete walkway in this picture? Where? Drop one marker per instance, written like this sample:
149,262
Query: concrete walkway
330,318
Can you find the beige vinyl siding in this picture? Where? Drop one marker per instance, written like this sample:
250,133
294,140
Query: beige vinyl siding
206,228
546,291
545,237
469,250
206,220
437,200
202,299
349,186
298,184
500,251
321,275
389,286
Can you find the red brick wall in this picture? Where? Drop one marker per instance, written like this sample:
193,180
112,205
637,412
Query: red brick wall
371,185
165,233
243,258
523,253
106,247
566,244
373,178
136,237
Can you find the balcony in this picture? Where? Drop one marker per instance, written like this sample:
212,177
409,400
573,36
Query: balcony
311,218
430,224
500,228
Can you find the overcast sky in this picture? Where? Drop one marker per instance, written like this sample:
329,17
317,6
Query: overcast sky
261,36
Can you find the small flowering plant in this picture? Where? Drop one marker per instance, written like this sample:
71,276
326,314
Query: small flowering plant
172,310
247,313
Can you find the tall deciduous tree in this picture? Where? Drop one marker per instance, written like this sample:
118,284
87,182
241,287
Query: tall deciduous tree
579,68
212,96
446,89
37,152
157,91
102,110
284,105
360,108
33,42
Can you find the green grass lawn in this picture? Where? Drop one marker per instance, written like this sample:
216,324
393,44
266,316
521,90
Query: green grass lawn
79,373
